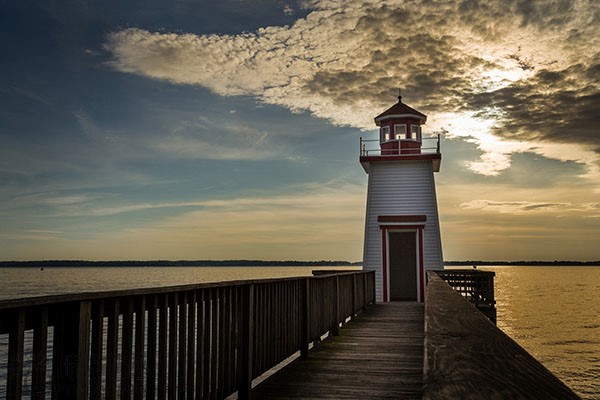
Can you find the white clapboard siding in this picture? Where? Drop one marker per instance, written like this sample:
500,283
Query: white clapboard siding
401,188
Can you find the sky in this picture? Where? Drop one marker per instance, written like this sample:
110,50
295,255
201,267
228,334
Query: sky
198,129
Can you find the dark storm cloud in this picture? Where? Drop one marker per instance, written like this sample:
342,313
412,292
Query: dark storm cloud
425,67
561,106
544,13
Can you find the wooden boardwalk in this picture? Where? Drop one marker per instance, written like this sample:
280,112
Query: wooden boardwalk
377,356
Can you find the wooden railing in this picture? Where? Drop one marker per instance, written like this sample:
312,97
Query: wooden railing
474,285
202,341
468,357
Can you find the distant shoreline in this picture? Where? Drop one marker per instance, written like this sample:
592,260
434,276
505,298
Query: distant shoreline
524,263
176,263
262,263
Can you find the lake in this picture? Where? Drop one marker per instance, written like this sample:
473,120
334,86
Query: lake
553,312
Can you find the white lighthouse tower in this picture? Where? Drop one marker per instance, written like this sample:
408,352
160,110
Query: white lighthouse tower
402,230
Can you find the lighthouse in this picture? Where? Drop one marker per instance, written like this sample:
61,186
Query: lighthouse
402,230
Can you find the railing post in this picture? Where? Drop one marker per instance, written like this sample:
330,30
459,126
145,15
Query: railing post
246,344
336,311
39,359
305,315
172,347
365,302
140,347
374,287
490,288
126,348
353,296
16,341
71,359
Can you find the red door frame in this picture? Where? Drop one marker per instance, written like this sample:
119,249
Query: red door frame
399,223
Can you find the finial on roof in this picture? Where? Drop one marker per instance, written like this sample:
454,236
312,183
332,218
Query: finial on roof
399,95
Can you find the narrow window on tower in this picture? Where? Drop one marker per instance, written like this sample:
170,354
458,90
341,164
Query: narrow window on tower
385,134
399,131
415,131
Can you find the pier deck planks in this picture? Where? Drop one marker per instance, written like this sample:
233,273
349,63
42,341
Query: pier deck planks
379,355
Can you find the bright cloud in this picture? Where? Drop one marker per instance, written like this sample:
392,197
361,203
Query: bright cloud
497,151
514,206
343,61
518,207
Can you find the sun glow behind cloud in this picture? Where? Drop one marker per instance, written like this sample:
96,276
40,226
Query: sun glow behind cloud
334,62
498,78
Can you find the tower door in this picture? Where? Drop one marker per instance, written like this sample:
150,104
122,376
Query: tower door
403,265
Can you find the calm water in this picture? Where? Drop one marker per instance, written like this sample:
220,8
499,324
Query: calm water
22,282
553,312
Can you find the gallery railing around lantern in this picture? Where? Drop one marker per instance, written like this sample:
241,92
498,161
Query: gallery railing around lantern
374,147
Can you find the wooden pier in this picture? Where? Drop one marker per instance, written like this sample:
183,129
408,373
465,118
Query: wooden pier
212,341
377,356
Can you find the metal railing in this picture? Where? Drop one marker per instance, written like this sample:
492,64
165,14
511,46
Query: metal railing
183,342
372,147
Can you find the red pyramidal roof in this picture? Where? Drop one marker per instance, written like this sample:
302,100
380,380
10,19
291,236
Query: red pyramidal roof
400,110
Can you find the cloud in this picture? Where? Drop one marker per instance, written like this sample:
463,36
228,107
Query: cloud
68,200
519,207
527,71
317,223
185,147
313,225
32,235
188,138
106,211
288,11
234,141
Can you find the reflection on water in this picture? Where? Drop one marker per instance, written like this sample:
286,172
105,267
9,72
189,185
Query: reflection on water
27,282
554,313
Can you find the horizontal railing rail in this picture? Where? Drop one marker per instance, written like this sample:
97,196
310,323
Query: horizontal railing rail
372,147
468,357
181,342
475,285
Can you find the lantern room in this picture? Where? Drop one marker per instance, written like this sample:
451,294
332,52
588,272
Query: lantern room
400,129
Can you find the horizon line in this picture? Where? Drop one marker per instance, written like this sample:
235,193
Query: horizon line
243,260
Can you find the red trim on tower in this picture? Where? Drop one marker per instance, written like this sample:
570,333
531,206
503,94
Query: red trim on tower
419,231
399,227
402,218
406,157
421,272
384,264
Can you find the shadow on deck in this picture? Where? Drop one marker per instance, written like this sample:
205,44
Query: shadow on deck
378,356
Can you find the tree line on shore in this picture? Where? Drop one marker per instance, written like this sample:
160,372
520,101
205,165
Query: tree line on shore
556,263
175,263
262,263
